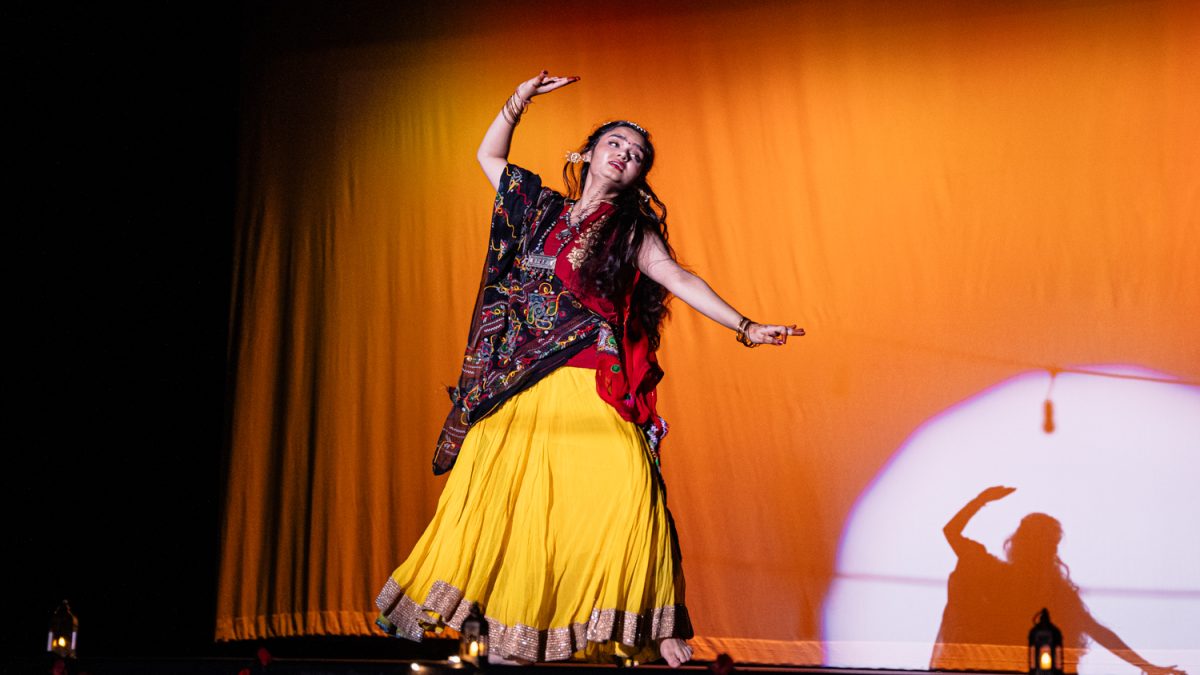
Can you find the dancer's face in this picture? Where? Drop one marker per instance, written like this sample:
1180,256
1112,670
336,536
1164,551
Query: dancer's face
617,158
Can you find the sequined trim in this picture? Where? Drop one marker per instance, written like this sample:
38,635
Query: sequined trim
405,618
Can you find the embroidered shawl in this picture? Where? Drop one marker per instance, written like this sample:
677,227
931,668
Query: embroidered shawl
526,324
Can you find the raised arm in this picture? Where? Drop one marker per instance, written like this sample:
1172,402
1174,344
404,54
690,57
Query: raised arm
655,262
493,151
954,529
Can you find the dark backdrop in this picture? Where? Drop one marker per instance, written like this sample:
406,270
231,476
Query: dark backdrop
119,266
123,160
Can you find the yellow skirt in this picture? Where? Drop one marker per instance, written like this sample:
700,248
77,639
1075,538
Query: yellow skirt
553,521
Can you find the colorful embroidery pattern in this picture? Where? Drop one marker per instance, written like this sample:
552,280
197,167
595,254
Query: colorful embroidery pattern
527,323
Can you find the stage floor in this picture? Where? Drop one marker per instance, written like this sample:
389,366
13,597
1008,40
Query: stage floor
289,666
231,666
335,655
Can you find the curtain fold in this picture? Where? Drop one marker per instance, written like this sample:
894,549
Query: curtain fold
945,198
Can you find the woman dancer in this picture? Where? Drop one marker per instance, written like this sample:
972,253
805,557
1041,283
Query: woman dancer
554,523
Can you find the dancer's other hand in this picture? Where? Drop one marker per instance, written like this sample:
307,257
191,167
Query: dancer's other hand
772,334
1151,669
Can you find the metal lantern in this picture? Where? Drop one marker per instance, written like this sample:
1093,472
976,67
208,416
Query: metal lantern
473,638
64,628
1045,647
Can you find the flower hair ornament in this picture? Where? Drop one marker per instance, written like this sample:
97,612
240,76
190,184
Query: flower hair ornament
576,158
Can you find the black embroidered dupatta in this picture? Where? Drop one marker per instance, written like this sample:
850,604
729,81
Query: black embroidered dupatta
525,324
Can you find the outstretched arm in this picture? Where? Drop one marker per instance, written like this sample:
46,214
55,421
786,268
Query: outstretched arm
1113,643
656,263
493,151
954,529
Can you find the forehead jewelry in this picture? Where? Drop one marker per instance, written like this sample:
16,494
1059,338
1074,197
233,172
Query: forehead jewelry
633,125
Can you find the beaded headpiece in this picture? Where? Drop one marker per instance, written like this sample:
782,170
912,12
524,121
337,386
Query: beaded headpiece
576,158
633,125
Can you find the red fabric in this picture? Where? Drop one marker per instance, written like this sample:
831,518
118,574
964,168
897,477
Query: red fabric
626,381
570,278
632,392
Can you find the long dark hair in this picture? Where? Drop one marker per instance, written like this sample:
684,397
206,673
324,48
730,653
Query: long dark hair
1036,542
609,269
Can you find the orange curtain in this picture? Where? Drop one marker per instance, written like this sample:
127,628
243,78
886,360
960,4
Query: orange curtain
943,194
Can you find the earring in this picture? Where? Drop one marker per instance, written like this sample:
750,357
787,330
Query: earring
574,157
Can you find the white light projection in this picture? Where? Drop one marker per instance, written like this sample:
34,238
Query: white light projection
1120,472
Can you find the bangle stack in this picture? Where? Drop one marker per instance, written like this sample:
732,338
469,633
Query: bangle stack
514,107
743,326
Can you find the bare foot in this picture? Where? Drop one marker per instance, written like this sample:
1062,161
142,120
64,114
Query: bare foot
496,659
675,651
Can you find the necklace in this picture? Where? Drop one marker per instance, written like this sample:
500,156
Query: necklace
572,229
543,261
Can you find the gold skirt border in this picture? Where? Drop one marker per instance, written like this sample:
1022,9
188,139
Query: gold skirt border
409,620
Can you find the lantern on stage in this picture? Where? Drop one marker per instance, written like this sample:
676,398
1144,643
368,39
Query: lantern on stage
473,638
1045,647
64,628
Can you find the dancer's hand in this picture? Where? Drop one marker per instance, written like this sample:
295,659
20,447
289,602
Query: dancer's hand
543,83
771,334
1151,669
995,492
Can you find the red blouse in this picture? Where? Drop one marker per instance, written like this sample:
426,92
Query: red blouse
566,267
627,371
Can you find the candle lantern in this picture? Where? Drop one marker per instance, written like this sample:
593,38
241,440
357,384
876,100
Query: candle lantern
64,628
1045,647
473,638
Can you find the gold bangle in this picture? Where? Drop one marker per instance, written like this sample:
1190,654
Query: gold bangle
743,326
514,107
